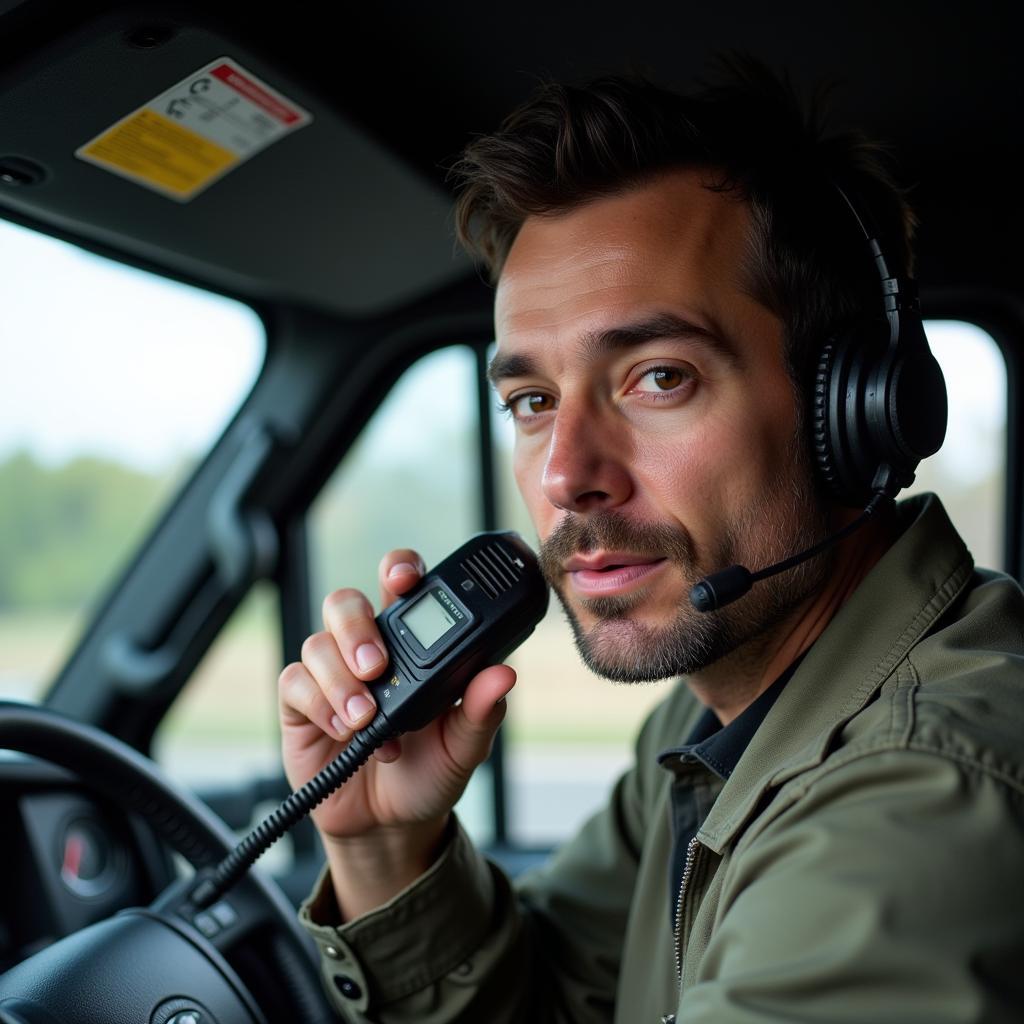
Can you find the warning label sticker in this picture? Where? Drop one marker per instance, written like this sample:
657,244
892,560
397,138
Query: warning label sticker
194,133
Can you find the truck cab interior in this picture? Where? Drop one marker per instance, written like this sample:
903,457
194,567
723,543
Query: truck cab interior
241,358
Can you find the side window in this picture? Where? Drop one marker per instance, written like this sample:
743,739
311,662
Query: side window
410,480
112,382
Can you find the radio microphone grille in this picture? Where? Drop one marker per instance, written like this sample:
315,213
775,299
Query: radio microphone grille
494,569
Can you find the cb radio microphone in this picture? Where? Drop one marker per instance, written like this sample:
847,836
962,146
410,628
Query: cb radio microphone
469,612
728,585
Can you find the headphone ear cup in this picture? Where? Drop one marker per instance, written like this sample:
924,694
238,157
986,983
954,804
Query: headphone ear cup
907,418
845,458
875,404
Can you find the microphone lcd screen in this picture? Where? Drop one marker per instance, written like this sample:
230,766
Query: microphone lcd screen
428,620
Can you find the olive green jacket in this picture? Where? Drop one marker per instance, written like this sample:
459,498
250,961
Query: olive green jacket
864,862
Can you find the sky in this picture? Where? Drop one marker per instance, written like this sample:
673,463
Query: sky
100,359
97,358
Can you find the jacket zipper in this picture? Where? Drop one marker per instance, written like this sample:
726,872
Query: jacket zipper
691,856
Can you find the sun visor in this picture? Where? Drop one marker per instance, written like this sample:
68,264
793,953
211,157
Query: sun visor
176,146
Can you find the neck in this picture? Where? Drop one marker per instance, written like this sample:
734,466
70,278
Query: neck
734,682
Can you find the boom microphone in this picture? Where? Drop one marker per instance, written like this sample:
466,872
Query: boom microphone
728,585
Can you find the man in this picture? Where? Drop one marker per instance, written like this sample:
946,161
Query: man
824,818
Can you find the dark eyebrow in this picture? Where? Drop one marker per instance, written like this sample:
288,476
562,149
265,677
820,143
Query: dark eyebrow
597,343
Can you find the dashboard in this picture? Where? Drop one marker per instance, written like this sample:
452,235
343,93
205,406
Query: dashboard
68,858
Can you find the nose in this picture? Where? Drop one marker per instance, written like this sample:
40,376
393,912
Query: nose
587,463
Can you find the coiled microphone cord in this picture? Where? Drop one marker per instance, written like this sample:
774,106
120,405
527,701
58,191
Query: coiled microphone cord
294,808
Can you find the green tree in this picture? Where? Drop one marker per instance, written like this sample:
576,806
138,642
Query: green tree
64,530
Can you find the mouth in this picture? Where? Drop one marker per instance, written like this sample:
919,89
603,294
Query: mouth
608,573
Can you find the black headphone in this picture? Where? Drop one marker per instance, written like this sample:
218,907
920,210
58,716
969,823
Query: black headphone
879,403
879,408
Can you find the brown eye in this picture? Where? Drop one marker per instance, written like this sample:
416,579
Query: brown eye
531,404
661,378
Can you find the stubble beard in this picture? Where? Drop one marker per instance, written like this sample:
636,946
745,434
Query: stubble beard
789,518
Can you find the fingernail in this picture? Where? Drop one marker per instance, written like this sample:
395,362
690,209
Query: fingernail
358,707
339,727
401,569
368,656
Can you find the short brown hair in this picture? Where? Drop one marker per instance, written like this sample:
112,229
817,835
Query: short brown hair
806,261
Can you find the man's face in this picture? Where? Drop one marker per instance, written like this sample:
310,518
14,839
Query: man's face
656,425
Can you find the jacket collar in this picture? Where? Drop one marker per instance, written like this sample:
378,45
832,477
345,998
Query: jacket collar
719,748
894,606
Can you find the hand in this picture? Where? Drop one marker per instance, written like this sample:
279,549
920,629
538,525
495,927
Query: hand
399,801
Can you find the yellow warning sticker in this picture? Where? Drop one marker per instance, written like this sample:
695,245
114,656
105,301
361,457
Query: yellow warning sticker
194,133
154,148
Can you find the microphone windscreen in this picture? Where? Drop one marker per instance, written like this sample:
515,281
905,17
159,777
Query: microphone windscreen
720,588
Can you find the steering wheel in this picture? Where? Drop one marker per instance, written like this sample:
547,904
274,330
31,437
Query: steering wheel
166,963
